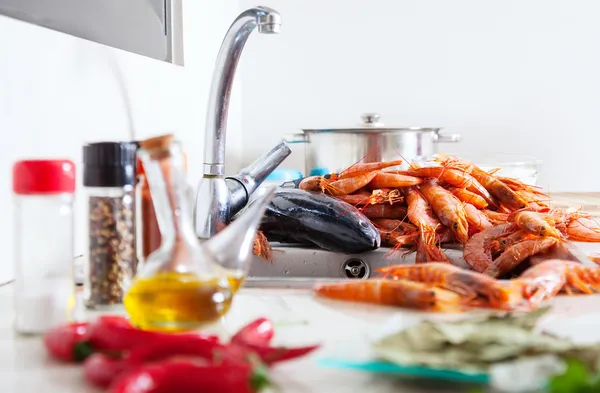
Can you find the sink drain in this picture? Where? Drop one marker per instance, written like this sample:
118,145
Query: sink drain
355,268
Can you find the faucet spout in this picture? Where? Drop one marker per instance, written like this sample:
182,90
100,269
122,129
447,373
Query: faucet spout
219,199
268,21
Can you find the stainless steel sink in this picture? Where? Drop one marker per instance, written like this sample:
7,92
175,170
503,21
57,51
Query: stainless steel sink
299,267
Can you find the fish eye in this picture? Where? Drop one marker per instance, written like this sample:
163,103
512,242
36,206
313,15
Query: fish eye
363,224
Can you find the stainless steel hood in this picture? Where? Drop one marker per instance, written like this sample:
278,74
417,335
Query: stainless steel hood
147,27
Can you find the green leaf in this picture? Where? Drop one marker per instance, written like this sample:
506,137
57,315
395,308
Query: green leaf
575,379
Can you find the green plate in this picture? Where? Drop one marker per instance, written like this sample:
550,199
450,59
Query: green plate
412,371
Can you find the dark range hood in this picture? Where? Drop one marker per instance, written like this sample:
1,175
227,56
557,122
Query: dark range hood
147,27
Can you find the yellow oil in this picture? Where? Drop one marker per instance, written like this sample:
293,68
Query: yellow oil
172,301
235,282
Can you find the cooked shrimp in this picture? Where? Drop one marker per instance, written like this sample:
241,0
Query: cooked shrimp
393,180
499,190
469,197
496,217
536,224
393,293
385,211
367,167
519,186
350,184
311,183
558,251
584,229
501,243
581,279
516,254
419,211
261,247
477,289
386,195
543,281
454,177
503,194
477,252
390,224
594,258
355,199
428,249
476,219
448,209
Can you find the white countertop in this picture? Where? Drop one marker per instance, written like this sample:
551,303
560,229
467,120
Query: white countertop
342,328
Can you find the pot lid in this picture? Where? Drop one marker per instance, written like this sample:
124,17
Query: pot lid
371,123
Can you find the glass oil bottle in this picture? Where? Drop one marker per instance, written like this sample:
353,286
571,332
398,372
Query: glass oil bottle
178,287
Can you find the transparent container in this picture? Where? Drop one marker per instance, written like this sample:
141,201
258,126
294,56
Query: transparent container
43,238
178,286
111,254
524,168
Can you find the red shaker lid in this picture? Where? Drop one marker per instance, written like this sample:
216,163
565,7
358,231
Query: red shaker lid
32,177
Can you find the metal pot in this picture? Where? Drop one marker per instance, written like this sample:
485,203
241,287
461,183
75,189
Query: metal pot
332,150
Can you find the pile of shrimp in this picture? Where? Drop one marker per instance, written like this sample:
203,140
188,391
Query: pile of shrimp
507,228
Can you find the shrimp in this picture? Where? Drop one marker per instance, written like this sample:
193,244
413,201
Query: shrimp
476,219
350,184
516,254
542,282
469,197
476,288
499,190
500,244
495,217
367,167
503,194
428,250
477,253
448,209
392,225
536,224
594,258
393,180
581,279
558,251
393,293
311,183
355,199
454,177
386,195
419,211
583,229
385,211
261,247
518,186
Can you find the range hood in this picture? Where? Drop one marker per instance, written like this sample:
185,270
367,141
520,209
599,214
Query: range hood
147,27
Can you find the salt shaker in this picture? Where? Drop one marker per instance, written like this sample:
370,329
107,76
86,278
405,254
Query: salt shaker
43,237
109,176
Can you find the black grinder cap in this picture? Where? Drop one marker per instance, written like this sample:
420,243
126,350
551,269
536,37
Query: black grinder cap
109,164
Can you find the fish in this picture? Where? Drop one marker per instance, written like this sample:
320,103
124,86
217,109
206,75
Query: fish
304,217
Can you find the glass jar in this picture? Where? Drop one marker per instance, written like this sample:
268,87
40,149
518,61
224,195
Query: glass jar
43,238
109,176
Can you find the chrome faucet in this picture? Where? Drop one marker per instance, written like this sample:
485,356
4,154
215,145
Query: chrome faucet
219,198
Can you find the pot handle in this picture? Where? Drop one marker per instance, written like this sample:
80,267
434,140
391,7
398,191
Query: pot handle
295,138
446,138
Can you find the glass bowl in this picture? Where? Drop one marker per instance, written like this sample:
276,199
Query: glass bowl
524,168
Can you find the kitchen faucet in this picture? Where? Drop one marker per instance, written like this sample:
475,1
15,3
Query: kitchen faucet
219,198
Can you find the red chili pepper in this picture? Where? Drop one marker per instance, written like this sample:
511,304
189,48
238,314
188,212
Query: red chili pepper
68,342
259,332
110,333
272,355
187,377
100,369
175,346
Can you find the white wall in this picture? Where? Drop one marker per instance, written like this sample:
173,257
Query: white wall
58,92
511,76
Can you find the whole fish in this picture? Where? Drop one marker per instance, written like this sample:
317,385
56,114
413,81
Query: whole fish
298,216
